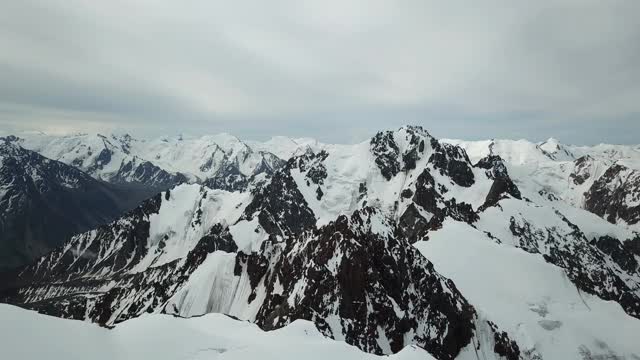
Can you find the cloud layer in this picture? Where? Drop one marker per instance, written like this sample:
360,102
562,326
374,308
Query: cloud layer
567,68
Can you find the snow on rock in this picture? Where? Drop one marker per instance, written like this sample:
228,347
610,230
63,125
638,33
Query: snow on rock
615,196
532,300
601,178
161,162
601,265
352,278
185,216
43,202
109,158
326,236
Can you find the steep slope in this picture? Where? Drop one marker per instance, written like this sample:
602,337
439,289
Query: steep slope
598,261
534,302
328,237
94,277
354,279
43,202
615,196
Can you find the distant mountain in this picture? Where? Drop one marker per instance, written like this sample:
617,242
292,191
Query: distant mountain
603,179
401,240
221,161
44,202
549,169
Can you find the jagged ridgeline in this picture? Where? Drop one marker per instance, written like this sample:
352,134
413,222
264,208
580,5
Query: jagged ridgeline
400,240
44,202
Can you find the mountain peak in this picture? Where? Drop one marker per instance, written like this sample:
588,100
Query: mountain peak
550,145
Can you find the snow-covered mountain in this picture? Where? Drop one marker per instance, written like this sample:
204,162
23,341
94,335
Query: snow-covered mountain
398,241
43,202
220,161
603,179
549,169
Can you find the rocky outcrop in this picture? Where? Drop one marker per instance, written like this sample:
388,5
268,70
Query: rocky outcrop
368,288
453,162
502,184
386,153
615,196
604,267
280,207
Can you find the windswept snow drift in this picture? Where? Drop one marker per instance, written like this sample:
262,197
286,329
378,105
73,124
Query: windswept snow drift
27,335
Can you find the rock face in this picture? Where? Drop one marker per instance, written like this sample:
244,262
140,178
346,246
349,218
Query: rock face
369,288
386,154
502,184
615,196
123,269
452,161
43,202
328,236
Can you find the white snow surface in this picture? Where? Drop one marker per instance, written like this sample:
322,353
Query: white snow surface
174,230
213,288
197,157
544,167
529,298
27,335
548,166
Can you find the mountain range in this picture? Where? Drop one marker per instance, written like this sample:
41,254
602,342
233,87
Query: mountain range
466,249
44,202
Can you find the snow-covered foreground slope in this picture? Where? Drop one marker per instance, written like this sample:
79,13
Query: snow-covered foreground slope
27,335
531,299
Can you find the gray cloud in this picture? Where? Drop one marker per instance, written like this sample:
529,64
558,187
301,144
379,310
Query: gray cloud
479,69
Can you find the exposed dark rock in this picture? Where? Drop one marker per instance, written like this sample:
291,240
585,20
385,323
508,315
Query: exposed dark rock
103,158
502,183
426,195
412,225
452,161
581,172
45,202
584,261
280,207
58,288
619,253
362,191
229,178
361,276
503,345
148,174
615,194
386,153
409,159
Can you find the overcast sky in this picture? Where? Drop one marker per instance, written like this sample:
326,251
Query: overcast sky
335,70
